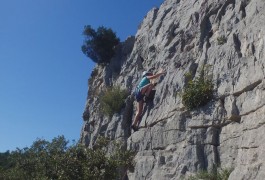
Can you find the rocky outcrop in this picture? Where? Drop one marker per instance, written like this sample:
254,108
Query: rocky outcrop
182,37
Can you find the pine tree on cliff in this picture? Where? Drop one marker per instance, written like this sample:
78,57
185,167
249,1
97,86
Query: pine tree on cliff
99,45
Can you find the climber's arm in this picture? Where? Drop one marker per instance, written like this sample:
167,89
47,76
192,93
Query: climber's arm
161,72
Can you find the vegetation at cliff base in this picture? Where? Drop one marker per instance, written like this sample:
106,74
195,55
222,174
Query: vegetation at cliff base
112,100
58,160
99,44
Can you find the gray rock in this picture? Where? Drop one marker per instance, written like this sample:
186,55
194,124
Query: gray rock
182,37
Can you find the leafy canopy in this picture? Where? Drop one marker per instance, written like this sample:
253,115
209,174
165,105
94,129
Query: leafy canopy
99,44
57,160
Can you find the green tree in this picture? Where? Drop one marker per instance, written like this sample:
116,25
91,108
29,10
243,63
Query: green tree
99,45
4,163
46,160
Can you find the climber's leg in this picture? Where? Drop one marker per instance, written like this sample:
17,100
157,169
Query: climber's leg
147,89
138,114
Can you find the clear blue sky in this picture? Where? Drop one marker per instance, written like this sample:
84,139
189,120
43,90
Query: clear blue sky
43,73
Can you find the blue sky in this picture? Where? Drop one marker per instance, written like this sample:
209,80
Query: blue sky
43,73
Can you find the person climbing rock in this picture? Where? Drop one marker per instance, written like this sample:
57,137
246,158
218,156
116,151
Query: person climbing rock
142,93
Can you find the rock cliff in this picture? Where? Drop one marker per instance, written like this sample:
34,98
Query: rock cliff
182,37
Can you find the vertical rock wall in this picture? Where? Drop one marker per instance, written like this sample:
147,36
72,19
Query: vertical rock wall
183,36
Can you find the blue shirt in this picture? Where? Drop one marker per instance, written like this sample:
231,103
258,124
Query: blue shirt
143,82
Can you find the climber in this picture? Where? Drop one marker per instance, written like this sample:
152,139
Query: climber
142,92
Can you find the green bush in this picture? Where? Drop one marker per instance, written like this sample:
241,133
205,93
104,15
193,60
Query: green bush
221,40
221,174
99,45
197,92
112,100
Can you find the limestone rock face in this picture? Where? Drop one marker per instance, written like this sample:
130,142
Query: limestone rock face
183,36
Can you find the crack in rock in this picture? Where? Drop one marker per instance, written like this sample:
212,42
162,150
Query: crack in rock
248,88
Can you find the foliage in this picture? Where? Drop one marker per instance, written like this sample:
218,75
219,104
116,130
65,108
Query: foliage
99,45
198,91
4,163
221,40
112,100
214,174
55,160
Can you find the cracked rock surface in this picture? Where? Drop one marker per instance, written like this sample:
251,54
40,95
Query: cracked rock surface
183,36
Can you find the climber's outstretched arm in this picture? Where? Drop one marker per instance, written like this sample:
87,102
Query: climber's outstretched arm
161,72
